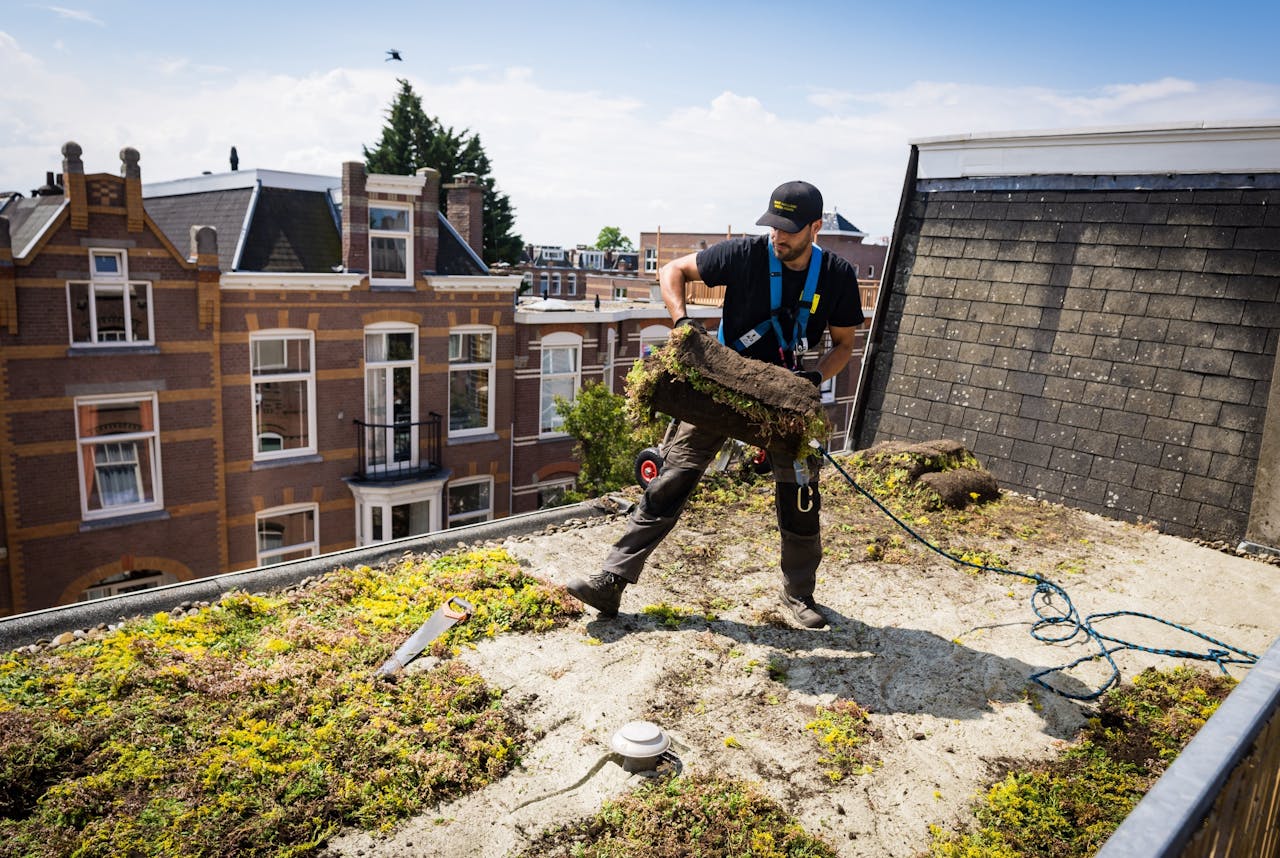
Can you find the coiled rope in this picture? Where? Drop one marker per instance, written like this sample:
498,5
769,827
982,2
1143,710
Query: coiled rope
1059,622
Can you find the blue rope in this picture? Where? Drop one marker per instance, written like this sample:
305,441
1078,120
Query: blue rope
1058,621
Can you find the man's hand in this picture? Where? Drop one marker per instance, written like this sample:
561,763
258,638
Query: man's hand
690,322
810,375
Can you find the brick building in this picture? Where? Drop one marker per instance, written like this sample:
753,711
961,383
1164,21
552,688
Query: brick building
1095,315
241,369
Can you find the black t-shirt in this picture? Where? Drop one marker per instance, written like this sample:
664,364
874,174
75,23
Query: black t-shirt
741,265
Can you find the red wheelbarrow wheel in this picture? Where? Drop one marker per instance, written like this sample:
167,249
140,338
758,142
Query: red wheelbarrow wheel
648,466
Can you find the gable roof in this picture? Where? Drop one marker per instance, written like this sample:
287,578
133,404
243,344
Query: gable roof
278,222
28,219
837,224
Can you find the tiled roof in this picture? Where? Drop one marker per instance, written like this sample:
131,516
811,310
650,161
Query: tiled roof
224,210
291,231
454,257
27,217
836,222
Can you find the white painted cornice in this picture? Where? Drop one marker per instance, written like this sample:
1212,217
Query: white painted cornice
304,282
1244,147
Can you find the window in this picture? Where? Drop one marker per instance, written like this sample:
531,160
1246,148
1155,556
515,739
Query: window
543,280
283,370
559,377
391,395
127,582
871,272
396,511
620,291
552,254
551,492
653,337
610,357
287,533
471,374
555,283
109,309
470,501
650,259
571,288
591,259
390,244
119,455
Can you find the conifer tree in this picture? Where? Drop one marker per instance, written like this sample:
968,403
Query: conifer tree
412,139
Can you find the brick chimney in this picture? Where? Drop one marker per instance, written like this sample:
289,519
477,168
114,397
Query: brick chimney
355,218
204,250
132,188
465,207
73,181
8,281
426,251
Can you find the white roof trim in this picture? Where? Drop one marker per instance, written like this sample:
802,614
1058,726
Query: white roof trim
35,239
1190,147
290,282
241,179
381,183
475,282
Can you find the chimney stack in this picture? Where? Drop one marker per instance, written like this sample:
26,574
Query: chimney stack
464,205
355,218
73,180
132,173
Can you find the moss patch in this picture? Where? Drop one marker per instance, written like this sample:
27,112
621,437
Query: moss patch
256,726
682,816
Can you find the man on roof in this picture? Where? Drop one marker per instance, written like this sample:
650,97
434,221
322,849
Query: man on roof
782,293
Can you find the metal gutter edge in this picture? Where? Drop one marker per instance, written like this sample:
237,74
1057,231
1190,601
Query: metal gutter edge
887,276
1168,816
23,629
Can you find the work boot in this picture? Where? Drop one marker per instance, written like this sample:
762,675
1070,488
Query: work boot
602,591
804,609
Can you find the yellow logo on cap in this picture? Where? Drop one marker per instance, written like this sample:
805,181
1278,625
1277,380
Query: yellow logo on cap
784,207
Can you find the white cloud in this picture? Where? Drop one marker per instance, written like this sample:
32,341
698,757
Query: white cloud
75,15
571,160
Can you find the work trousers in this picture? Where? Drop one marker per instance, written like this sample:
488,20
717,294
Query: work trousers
685,459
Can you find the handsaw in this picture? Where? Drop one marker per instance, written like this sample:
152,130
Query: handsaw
455,610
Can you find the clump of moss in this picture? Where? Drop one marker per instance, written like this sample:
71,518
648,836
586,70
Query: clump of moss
681,816
842,730
1069,806
257,726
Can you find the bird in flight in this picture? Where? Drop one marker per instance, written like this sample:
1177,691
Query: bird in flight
393,55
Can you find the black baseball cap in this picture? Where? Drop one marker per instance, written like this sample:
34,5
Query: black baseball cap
792,207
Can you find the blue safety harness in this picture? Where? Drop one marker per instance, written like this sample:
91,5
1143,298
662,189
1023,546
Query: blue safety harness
797,343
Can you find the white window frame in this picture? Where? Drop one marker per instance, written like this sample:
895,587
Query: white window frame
557,342
475,515
653,336
271,555
610,358
473,366
115,284
650,260
563,484
591,259
406,235
384,445
384,499
256,378
552,254
544,283
555,283
571,284
150,437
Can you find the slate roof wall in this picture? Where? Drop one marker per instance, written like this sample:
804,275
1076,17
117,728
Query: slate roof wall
1106,343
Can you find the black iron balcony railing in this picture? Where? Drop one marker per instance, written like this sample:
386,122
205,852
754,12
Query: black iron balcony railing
398,451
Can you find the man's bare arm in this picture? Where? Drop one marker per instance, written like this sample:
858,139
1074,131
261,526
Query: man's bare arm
673,278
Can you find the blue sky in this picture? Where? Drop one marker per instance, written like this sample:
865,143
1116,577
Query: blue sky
641,115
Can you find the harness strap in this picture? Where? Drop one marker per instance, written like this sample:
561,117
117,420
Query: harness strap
798,341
